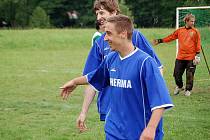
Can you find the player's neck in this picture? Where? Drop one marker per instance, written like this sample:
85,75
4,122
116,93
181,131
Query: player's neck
127,48
188,27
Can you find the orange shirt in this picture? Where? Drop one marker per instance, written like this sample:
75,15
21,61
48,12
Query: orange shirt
189,42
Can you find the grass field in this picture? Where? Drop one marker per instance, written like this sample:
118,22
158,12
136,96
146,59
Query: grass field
35,63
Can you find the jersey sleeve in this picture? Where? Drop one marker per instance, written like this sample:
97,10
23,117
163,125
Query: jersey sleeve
142,43
99,78
157,92
95,37
94,58
198,42
171,37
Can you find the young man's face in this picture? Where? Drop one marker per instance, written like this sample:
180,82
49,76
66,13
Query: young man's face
102,14
112,36
190,23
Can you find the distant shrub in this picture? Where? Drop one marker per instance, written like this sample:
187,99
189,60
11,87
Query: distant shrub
39,18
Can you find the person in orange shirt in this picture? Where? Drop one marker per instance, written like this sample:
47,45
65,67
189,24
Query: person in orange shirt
188,53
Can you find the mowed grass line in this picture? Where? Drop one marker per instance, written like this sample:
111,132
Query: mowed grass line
35,63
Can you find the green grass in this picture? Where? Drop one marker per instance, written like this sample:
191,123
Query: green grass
35,63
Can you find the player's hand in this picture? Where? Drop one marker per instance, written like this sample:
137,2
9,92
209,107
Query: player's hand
148,134
197,60
155,42
81,123
67,88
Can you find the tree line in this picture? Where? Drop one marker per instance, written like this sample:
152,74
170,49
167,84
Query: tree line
79,13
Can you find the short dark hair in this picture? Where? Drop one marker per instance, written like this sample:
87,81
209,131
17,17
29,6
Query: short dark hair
188,17
122,23
109,5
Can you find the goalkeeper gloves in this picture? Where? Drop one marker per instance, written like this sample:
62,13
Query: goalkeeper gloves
157,41
197,59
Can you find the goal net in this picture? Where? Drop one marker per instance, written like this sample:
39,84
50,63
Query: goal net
202,23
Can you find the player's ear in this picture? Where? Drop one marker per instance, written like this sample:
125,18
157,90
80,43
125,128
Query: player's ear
123,34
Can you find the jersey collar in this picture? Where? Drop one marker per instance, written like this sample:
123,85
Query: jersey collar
130,54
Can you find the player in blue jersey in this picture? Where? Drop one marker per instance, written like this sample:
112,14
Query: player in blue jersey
138,93
100,49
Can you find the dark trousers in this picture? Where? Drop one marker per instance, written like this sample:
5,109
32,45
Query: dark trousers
180,66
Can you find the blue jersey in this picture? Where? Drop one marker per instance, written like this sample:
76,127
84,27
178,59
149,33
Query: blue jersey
136,89
100,50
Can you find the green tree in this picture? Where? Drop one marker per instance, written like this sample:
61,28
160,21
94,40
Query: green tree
146,12
8,14
195,3
57,10
22,13
125,9
162,13
39,18
17,12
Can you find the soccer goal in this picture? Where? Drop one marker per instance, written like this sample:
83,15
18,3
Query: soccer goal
202,23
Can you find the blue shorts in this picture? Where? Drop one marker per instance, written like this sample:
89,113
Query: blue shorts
102,117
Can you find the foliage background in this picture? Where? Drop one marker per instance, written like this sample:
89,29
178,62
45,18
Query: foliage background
146,13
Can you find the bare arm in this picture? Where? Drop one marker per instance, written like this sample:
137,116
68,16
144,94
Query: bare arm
88,98
68,87
149,131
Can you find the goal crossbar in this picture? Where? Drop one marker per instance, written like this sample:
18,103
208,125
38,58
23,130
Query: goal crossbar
183,8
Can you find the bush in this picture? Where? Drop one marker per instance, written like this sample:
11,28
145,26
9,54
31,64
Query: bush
39,18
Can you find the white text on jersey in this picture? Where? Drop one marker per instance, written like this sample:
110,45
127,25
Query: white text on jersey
120,83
